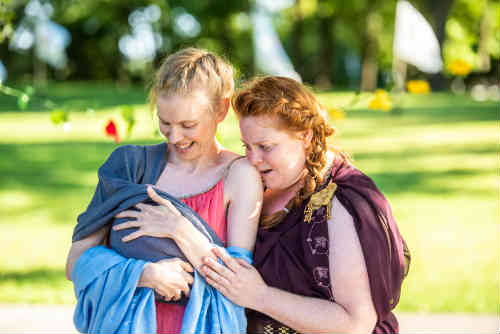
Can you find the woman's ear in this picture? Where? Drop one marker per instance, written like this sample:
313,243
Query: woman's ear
223,109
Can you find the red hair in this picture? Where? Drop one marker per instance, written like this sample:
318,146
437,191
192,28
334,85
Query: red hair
298,110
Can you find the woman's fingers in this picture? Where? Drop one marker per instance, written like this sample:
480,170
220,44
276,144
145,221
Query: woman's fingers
186,266
177,294
218,270
187,277
218,278
221,288
130,224
162,201
226,258
143,207
133,235
244,263
128,214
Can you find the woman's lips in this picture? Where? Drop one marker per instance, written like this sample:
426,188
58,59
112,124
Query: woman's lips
183,148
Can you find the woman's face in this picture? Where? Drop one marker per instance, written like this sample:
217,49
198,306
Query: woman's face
278,155
188,123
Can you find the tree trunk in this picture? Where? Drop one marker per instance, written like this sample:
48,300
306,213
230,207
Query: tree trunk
369,67
297,37
327,46
484,36
440,10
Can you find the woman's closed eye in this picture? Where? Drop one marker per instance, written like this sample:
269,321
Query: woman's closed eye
189,125
266,148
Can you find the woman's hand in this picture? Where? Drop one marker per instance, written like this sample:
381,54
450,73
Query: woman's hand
157,221
169,278
239,281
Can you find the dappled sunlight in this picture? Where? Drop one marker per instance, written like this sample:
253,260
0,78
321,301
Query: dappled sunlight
437,163
14,200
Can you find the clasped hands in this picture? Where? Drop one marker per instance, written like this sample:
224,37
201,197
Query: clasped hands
170,277
239,281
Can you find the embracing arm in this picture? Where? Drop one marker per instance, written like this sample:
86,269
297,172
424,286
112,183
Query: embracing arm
243,189
78,247
353,310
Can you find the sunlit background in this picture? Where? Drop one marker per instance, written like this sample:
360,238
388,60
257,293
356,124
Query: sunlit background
411,86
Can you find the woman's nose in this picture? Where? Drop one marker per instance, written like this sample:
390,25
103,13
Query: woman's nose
254,158
174,135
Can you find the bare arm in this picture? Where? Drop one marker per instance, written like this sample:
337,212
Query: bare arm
243,187
78,247
353,310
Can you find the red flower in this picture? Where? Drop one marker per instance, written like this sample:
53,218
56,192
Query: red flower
112,131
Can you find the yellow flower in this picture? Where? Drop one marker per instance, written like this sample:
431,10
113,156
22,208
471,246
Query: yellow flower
381,101
459,67
336,114
418,87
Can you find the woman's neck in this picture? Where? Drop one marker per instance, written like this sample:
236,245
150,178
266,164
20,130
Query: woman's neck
207,160
277,199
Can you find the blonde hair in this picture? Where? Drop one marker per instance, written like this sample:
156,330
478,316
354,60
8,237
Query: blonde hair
298,110
192,68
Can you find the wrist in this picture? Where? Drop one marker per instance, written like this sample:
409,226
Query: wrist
146,279
183,228
262,295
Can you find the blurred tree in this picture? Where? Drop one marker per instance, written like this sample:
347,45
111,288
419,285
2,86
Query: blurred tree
97,26
6,18
330,43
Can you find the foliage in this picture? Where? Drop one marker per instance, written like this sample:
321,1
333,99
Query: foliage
469,21
6,18
330,43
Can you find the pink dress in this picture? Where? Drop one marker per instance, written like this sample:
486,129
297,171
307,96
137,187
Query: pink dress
210,206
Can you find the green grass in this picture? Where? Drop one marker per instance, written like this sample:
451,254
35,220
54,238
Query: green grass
437,162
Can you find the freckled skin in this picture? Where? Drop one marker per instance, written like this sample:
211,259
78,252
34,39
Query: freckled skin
269,148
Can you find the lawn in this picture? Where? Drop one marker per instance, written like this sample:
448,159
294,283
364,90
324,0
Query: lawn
437,162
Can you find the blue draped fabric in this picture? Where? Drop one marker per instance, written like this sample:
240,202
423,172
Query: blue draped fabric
101,274
208,311
108,299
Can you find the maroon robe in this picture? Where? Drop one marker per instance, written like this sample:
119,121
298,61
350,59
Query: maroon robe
293,255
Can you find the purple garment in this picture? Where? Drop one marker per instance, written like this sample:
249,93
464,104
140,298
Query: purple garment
293,255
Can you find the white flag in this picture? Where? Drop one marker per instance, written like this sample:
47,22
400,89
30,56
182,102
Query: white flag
414,40
270,56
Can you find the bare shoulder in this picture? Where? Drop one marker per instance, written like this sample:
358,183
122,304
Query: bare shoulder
341,228
339,214
241,175
242,172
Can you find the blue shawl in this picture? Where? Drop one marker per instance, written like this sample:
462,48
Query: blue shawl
123,180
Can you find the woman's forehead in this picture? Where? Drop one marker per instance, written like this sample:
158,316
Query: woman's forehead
262,128
183,107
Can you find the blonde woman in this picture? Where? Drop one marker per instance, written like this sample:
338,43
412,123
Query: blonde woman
191,94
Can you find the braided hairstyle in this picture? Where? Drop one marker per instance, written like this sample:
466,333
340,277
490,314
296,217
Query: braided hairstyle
191,68
298,110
